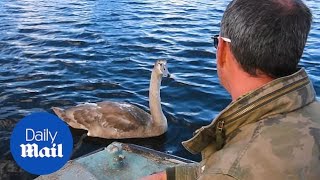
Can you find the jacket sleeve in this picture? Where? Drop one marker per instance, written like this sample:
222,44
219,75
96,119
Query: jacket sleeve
191,172
183,172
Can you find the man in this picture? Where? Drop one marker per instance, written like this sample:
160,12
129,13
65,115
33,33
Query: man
271,130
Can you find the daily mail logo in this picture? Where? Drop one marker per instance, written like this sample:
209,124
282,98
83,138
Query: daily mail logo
32,150
41,143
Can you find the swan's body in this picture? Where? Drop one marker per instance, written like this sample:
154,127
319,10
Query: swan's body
118,120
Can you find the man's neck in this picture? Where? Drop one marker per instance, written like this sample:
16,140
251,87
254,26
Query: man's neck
245,83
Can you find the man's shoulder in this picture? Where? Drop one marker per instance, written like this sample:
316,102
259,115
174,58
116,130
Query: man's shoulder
282,146
309,112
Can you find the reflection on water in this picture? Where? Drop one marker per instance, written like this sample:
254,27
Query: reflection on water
60,53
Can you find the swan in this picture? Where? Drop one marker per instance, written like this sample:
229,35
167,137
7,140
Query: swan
120,120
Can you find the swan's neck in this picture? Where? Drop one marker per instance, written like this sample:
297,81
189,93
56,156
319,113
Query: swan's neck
158,118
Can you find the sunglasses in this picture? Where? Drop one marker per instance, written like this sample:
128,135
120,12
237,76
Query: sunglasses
216,40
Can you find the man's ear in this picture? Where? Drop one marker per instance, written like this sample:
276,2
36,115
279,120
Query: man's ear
222,53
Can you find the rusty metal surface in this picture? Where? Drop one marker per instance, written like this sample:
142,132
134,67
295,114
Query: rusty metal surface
117,161
71,171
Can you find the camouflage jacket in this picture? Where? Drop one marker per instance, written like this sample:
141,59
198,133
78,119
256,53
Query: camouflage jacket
270,133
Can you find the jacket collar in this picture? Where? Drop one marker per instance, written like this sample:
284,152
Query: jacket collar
281,95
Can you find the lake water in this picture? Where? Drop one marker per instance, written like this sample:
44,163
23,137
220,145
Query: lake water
60,53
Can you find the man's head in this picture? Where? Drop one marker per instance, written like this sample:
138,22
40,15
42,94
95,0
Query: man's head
267,36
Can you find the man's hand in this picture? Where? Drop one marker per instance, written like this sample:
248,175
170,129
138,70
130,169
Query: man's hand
157,176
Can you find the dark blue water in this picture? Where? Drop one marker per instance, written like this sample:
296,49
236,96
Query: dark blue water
60,53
